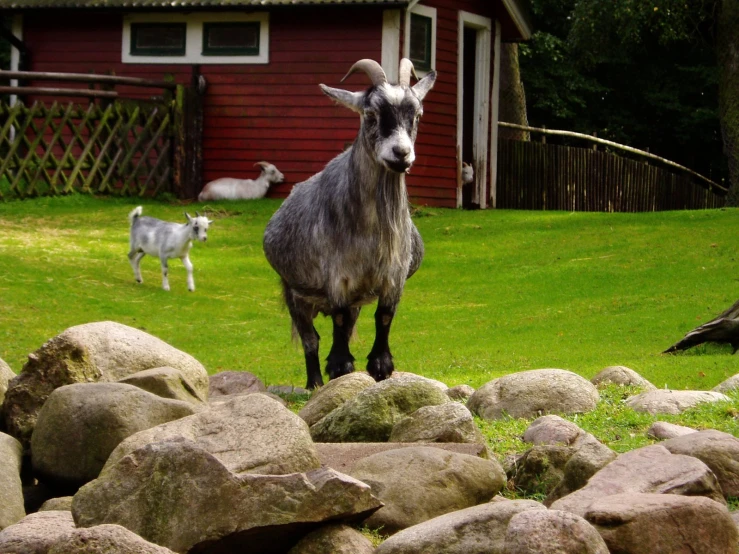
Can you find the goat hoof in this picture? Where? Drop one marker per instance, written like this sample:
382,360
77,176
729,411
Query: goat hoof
380,367
337,368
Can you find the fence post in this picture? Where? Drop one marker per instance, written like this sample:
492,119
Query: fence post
188,138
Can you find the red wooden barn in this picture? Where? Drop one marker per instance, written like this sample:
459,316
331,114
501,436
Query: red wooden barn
262,61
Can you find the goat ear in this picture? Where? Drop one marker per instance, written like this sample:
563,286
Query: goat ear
422,87
351,100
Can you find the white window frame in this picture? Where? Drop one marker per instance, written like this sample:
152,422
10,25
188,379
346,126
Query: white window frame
424,11
194,37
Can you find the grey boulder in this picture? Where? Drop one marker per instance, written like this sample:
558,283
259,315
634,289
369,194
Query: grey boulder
6,374
105,539
225,383
450,422
651,469
718,450
533,393
176,494
661,401
621,375
370,415
552,532
166,382
333,539
11,489
477,530
662,430
101,351
248,433
81,424
36,533
333,394
663,524
419,483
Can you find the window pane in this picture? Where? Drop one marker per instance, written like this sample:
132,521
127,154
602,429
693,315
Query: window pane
158,39
231,39
420,42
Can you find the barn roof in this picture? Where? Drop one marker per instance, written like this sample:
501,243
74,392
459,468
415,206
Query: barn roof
176,4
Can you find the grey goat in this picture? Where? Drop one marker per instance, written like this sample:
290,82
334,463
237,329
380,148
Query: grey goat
344,237
165,241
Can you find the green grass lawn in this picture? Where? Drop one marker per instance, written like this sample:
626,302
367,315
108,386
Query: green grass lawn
498,291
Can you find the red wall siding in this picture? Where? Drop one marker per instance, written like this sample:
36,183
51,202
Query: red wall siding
276,112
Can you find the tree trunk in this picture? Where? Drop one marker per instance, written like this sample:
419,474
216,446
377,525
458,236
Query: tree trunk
512,97
728,62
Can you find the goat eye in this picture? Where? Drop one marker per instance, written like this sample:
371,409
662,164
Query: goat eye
370,117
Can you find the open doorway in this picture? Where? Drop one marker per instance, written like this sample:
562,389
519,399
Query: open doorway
473,107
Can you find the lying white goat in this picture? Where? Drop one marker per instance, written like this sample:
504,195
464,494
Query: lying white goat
229,188
165,241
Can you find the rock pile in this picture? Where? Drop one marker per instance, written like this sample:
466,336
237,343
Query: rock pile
136,450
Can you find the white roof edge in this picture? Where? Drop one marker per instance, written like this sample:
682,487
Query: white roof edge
518,17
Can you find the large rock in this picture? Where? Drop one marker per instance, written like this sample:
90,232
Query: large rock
166,382
730,385
651,469
36,533
248,433
480,529
226,383
661,401
333,539
332,395
6,374
101,351
177,495
105,539
81,424
719,451
540,469
371,414
419,483
11,489
621,375
552,429
450,422
552,532
533,393
663,524
662,430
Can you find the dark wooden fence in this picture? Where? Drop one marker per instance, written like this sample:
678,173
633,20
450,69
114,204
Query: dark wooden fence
103,144
544,176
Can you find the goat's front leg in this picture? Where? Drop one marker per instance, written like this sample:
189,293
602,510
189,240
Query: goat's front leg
188,266
379,361
135,259
340,360
165,273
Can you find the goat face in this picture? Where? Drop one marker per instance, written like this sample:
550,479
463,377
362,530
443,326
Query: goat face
389,113
199,225
271,173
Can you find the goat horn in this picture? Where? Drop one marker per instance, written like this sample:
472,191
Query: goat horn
405,72
263,165
197,214
371,68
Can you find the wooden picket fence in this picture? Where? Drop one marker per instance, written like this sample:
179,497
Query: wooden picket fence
122,148
544,176
104,144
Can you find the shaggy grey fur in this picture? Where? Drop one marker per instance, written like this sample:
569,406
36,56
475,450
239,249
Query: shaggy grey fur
344,237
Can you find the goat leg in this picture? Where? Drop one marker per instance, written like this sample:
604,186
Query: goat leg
340,360
380,361
302,318
135,258
165,273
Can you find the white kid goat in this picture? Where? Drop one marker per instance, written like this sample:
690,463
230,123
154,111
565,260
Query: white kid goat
165,241
229,188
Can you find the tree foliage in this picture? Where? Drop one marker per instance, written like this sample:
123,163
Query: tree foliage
641,73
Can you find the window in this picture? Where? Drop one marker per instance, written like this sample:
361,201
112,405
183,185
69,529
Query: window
419,51
420,38
231,39
195,38
158,39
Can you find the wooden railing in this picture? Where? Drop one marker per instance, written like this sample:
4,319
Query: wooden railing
108,145
544,176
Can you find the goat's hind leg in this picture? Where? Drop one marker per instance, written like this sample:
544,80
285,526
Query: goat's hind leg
380,361
302,315
340,360
134,256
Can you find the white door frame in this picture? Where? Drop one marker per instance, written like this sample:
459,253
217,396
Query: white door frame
484,26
